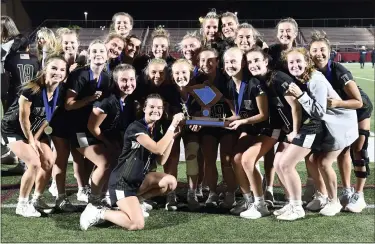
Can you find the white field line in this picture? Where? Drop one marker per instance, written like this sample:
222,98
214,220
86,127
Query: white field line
357,77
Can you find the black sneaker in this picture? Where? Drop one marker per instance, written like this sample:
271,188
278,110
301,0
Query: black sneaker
240,206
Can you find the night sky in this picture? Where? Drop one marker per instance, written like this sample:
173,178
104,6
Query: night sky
188,10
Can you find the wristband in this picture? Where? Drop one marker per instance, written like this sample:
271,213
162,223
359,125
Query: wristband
172,128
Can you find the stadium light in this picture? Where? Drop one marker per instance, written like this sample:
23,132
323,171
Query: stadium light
85,13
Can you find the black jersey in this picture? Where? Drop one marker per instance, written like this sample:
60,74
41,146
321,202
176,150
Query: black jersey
135,160
247,106
276,62
276,85
80,81
339,76
10,122
22,67
362,56
169,93
119,114
111,65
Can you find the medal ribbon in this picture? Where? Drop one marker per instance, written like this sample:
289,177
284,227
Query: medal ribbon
237,105
99,79
48,108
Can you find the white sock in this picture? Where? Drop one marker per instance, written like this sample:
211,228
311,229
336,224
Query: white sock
80,188
36,195
247,197
269,188
360,193
102,212
296,202
23,200
258,200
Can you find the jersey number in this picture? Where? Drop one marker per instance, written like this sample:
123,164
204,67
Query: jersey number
26,72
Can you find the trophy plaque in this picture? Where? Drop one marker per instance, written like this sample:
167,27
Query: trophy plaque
207,96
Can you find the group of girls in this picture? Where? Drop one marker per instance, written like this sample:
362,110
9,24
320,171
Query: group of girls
121,114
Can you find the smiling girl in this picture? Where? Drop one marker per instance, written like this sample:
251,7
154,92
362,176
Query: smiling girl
122,24
25,127
341,130
46,43
115,45
190,47
87,85
131,180
353,98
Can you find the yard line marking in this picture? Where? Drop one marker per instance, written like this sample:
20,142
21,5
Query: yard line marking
357,77
14,205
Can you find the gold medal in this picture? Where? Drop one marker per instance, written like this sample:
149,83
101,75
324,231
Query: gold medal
48,130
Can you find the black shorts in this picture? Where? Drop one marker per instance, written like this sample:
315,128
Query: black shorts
277,134
83,139
116,195
8,138
310,141
249,130
216,132
365,112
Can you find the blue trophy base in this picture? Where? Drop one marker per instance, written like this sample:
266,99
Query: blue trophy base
209,122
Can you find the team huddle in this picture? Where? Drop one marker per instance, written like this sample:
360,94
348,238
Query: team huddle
119,113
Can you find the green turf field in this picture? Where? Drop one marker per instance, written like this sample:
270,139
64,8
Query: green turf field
365,79
209,225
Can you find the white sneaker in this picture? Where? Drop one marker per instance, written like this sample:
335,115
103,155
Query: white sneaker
171,204
331,208
83,195
27,210
41,206
309,192
318,202
63,204
147,207
282,210
192,200
346,195
229,200
90,216
53,189
212,200
255,211
294,212
356,203
144,211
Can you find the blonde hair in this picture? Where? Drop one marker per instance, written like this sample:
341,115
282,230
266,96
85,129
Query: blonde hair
155,61
36,84
48,35
96,41
186,62
60,32
160,32
210,15
306,76
319,36
188,35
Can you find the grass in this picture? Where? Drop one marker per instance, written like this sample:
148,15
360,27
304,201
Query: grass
366,80
209,225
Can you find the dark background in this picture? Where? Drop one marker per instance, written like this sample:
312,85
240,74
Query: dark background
191,10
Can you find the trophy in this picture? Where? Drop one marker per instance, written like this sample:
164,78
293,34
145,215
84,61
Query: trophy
207,96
